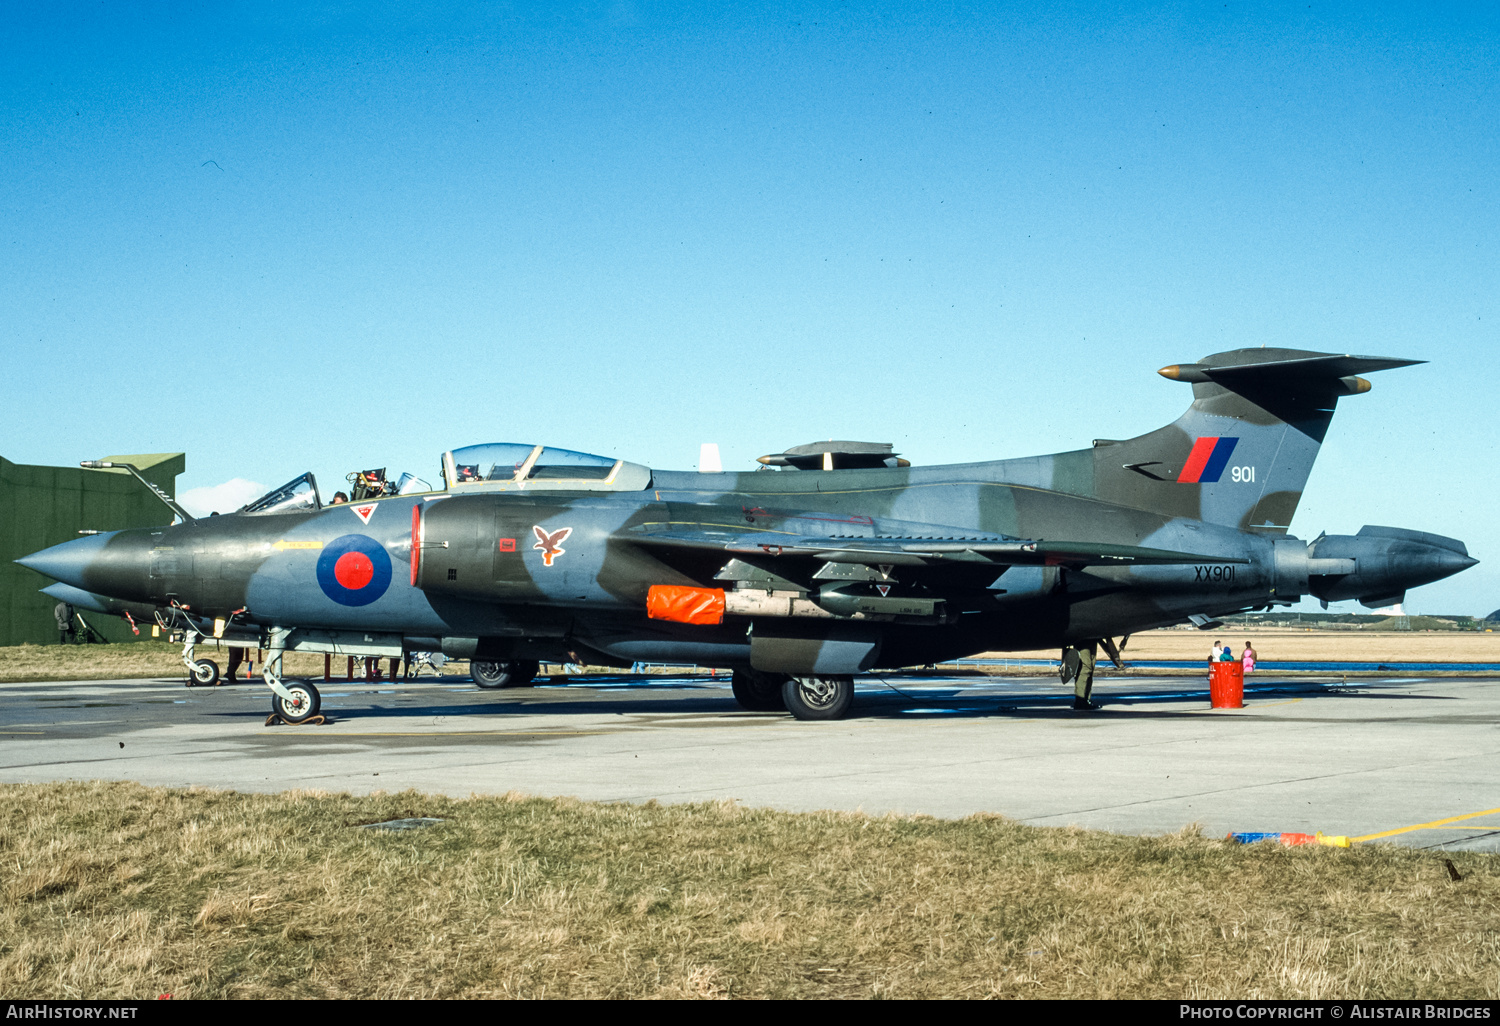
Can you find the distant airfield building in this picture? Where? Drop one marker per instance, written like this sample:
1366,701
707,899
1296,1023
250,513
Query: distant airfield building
42,506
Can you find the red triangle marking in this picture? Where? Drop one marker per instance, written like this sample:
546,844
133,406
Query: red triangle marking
884,589
363,511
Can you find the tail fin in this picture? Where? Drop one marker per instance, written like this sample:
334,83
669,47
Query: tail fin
1241,453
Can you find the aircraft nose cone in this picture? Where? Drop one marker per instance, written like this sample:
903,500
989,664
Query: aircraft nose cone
69,561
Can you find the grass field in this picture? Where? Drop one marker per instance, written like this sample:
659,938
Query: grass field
118,890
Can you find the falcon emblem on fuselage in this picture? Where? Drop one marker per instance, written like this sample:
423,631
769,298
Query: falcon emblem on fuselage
551,544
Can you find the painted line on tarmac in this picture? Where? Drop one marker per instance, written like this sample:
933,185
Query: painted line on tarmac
1424,826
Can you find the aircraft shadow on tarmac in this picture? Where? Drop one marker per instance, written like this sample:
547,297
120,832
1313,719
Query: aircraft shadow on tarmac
594,697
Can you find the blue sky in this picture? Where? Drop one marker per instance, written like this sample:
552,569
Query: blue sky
286,237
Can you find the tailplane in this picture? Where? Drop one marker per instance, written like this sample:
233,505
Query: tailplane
1241,454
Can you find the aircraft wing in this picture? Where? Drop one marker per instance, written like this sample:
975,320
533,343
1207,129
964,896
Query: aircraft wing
911,550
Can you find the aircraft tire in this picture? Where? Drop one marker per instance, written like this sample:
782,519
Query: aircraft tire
504,675
205,674
757,691
818,698
307,705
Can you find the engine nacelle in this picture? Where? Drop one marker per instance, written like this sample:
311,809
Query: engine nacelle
1377,565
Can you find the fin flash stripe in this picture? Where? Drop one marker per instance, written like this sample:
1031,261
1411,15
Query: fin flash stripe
1206,463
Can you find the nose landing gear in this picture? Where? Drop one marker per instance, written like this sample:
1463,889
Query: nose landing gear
203,673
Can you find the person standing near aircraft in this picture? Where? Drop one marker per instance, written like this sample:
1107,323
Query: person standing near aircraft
63,614
1247,659
1078,666
236,657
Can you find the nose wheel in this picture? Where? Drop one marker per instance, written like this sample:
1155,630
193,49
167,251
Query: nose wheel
300,704
203,673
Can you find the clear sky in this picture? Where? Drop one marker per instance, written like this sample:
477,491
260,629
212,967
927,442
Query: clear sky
286,236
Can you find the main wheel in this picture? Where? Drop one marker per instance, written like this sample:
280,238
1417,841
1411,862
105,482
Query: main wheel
757,691
205,674
503,675
304,705
818,698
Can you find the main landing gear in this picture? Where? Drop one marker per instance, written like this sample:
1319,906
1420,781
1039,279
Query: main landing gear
758,691
806,698
504,675
295,701
818,698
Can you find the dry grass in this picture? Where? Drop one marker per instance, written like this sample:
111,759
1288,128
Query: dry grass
118,890
146,659
130,661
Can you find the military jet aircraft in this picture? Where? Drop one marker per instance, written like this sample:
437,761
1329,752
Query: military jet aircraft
843,559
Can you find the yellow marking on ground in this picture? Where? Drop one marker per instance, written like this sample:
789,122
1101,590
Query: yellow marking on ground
283,545
22,731
1267,705
1424,826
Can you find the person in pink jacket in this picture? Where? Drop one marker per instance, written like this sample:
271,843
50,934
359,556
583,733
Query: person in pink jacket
1247,660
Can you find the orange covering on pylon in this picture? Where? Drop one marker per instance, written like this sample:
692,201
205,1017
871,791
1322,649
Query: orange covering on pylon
685,605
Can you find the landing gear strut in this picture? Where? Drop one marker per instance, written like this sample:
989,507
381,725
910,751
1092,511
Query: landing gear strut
294,701
202,673
818,698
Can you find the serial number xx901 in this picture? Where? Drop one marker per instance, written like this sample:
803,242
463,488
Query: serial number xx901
1219,572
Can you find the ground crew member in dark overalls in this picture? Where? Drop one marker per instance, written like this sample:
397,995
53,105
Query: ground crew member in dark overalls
236,657
1078,667
63,614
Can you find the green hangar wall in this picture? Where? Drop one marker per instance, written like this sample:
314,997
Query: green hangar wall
42,506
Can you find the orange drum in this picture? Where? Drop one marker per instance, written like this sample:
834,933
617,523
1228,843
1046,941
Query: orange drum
1226,685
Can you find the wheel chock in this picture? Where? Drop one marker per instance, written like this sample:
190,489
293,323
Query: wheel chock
275,720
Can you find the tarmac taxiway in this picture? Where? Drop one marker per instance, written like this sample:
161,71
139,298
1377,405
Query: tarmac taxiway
1393,756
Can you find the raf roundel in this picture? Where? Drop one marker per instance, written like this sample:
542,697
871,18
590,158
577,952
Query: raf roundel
354,570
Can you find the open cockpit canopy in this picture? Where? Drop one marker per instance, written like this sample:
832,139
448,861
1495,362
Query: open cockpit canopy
506,466
300,493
